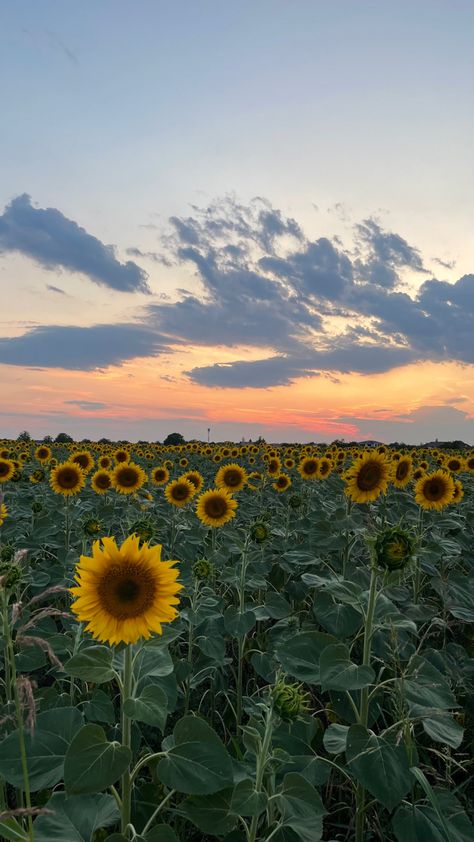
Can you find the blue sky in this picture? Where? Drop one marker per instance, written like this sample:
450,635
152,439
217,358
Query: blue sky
120,116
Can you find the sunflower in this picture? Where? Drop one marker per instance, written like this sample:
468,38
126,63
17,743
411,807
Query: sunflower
282,483
84,459
128,477
215,507
3,512
418,473
368,477
231,477
183,462
470,463
43,453
289,463
254,480
458,491
309,468
196,478
455,464
325,467
434,491
125,593
274,466
160,475
101,481
7,469
121,455
67,479
402,471
179,492
105,462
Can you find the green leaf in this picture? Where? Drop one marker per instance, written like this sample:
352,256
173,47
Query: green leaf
277,606
154,660
211,815
150,707
45,749
99,708
76,818
447,822
335,739
299,656
93,664
246,801
426,689
338,619
380,766
238,623
12,831
92,763
301,808
444,729
339,673
198,763
161,833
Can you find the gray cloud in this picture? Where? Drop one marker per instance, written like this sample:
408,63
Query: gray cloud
54,241
81,348
385,254
88,405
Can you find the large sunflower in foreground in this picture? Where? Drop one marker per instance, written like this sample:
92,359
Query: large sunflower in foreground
435,491
7,469
128,477
231,477
101,481
67,479
125,593
84,459
368,477
215,507
179,492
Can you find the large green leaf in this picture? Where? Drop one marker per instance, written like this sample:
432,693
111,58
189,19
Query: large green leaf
92,664
379,765
99,708
423,823
150,707
246,801
444,729
338,619
301,808
198,763
46,748
75,818
339,673
11,831
238,623
426,689
154,660
299,656
211,815
92,763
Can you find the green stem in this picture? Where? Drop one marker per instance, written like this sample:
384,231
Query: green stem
155,812
242,638
126,737
10,659
364,698
67,524
261,764
417,579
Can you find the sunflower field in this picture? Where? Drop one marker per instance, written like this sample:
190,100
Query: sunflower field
236,642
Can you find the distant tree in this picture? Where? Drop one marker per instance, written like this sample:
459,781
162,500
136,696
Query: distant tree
104,441
63,438
24,436
47,439
174,438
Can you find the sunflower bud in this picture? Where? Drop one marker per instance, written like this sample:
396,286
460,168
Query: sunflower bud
144,529
203,569
295,501
10,574
259,532
36,507
289,701
92,526
394,548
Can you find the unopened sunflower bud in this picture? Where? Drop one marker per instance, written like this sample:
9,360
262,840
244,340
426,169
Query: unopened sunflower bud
203,569
394,548
295,501
144,529
289,701
10,575
259,532
92,526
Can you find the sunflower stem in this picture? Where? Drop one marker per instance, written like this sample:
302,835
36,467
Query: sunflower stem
67,524
364,697
242,638
126,737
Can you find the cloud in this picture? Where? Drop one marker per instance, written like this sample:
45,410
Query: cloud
81,348
385,254
424,424
87,405
56,242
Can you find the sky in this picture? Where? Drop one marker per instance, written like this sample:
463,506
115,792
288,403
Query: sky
252,218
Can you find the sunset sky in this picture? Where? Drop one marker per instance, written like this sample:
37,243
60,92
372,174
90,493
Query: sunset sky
253,216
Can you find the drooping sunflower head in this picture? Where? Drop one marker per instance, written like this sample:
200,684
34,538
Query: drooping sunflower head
325,467
128,477
470,463
196,478
216,507
231,477
84,459
309,468
101,481
435,490
67,479
402,471
7,469
43,453
458,491
274,466
125,593
179,492
160,475
203,569
289,700
144,529
282,483
394,548
92,526
368,477
259,531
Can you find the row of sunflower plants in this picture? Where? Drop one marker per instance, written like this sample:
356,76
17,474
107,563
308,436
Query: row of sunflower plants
218,657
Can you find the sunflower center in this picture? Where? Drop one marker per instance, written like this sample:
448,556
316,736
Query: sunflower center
127,477
103,481
369,476
215,507
402,470
4,469
127,591
434,489
311,466
180,492
83,461
232,478
67,478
